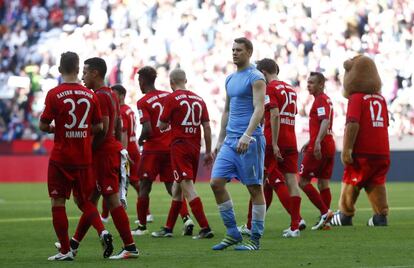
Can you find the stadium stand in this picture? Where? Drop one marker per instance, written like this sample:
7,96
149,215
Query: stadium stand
302,36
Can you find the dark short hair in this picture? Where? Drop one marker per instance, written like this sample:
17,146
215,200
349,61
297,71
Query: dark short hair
267,65
321,77
69,62
148,73
97,64
247,43
119,88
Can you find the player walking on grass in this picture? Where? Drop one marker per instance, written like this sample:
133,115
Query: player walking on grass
319,151
281,158
185,112
107,158
241,147
129,143
155,158
76,115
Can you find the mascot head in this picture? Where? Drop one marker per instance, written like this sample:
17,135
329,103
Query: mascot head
361,76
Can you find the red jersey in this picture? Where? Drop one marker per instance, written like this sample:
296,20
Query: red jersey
321,109
371,112
185,111
129,125
150,108
282,96
75,109
109,107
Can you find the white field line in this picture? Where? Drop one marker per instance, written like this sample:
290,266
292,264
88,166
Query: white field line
392,266
37,219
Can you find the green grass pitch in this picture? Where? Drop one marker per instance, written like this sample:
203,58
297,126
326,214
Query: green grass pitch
27,236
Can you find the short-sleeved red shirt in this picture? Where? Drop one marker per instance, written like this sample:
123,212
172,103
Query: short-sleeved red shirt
321,109
185,111
129,125
109,104
150,108
282,96
371,112
75,109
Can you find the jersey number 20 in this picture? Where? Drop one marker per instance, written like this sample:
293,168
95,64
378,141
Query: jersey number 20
192,123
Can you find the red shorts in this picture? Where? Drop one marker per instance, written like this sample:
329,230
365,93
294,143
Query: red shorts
153,164
313,168
62,180
133,167
290,161
106,170
184,160
366,172
272,170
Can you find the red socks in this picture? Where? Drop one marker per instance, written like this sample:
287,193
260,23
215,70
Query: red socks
173,214
105,210
121,222
282,192
326,196
295,212
142,209
61,226
93,216
315,198
249,215
90,216
198,212
184,209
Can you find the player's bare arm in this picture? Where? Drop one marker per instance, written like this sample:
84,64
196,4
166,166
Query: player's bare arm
145,133
223,125
275,126
46,127
259,92
124,139
351,132
323,130
208,156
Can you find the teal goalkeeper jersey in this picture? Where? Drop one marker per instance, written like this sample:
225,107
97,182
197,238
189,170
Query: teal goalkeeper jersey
239,87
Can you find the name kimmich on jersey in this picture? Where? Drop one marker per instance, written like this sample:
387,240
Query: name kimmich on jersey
76,133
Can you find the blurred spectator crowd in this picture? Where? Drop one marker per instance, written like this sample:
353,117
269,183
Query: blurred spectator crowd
301,35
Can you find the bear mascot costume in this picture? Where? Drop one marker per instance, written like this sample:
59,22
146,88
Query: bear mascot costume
365,154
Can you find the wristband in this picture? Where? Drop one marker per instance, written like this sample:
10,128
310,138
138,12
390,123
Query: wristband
250,137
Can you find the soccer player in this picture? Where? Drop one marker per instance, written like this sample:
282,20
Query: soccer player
185,112
155,158
129,143
76,115
107,157
241,147
366,153
319,151
281,158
